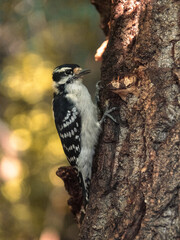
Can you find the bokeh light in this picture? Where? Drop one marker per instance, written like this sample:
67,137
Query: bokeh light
49,234
10,168
36,36
11,190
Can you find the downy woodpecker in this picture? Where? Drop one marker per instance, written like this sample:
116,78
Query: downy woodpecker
76,120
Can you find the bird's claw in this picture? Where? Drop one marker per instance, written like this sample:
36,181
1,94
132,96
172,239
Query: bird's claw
107,114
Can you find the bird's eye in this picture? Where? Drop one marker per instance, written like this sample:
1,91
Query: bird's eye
67,72
69,81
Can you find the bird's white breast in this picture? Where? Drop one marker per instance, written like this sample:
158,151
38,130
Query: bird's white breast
80,96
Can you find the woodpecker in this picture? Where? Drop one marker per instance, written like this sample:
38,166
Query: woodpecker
76,120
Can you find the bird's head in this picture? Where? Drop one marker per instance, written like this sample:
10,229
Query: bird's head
67,74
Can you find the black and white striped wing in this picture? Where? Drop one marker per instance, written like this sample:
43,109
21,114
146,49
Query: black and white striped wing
69,130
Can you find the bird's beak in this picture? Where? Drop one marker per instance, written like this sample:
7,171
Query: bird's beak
79,72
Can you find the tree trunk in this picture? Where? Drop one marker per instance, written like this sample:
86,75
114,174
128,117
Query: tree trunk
136,177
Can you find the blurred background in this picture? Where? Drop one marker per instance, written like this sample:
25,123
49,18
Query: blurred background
35,37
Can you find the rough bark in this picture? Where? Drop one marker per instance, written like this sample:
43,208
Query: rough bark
136,176
76,203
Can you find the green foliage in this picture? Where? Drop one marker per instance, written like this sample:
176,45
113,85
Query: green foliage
36,36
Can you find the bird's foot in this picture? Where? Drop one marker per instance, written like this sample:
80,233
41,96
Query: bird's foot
107,114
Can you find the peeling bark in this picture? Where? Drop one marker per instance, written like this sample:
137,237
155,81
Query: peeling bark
136,176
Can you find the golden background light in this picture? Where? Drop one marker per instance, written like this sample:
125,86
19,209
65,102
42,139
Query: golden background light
37,36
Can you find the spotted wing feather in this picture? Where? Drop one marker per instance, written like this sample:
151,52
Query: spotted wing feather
69,132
